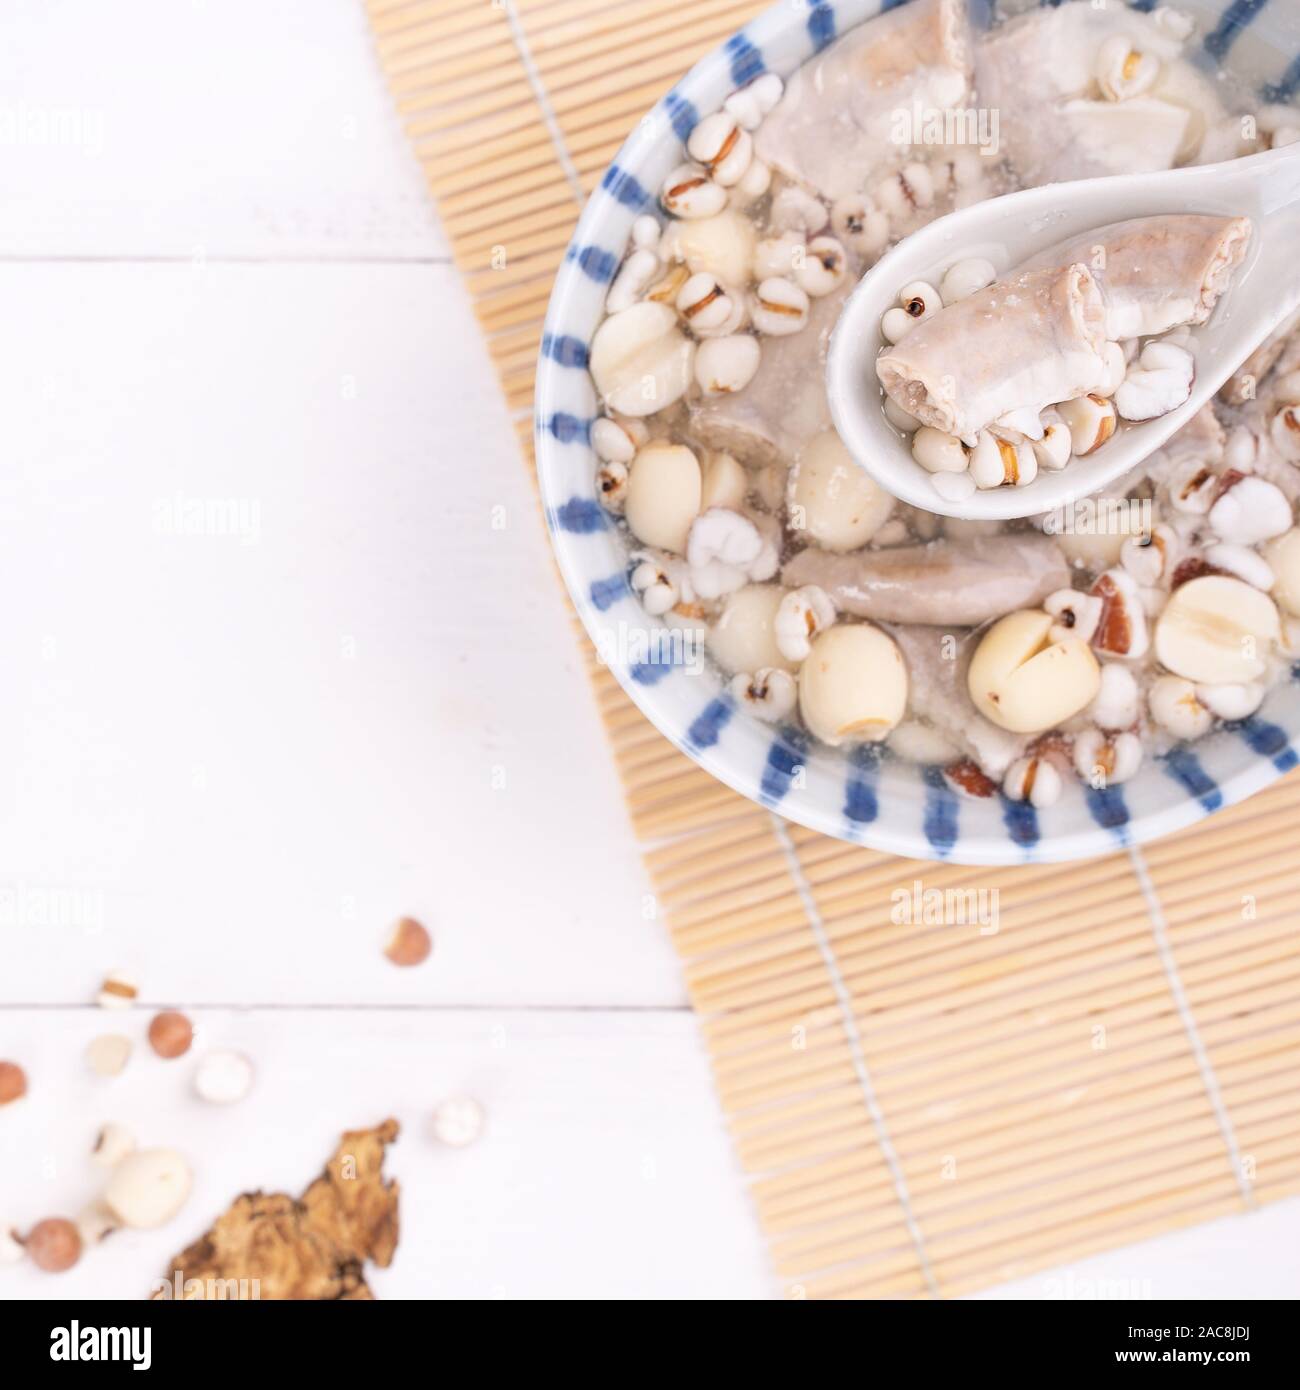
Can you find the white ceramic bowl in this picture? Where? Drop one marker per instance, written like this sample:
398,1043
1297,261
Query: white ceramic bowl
865,797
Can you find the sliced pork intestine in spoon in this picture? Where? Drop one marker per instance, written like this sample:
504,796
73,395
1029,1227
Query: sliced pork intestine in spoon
1026,342
1157,273
836,124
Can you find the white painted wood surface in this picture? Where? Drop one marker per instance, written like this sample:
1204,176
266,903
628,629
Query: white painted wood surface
230,759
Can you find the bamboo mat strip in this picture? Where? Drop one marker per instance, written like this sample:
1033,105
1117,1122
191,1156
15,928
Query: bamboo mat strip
919,1111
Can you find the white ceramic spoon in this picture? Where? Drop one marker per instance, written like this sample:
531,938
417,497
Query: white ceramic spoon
1008,231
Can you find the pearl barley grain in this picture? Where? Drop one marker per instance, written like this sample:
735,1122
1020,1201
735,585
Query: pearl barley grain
726,365
860,225
920,300
1090,420
1251,511
707,306
1175,707
723,146
964,278
458,1122
767,694
1034,780
223,1077
689,192
117,991
112,1144
779,307
614,442
96,1223
823,267
896,324
170,1034
1054,448
953,487
938,452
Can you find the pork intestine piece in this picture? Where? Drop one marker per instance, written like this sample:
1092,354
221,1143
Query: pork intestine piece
1156,273
836,123
1037,74
1026,342
944,583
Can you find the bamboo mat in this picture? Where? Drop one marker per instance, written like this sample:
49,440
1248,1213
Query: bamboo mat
919,1111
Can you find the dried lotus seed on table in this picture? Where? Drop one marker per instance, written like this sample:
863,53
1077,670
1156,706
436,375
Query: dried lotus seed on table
717,464
148,1187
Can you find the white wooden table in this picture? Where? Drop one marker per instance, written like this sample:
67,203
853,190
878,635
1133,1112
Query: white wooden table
232,757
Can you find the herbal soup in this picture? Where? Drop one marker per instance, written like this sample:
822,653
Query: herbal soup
1012,654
